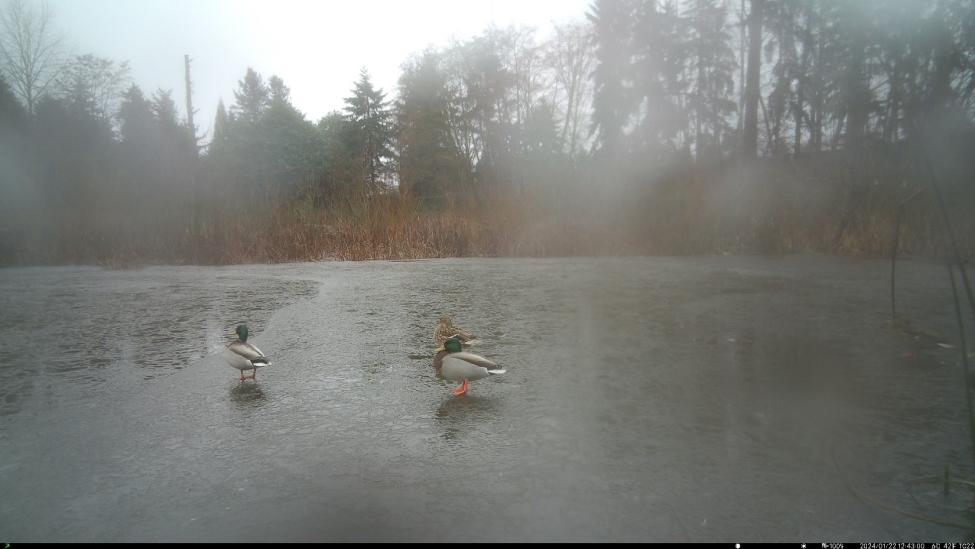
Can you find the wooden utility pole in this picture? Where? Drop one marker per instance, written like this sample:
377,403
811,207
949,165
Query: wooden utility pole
195,208
189,104
752,82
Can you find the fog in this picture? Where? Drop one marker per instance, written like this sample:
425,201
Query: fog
704,240
308,43
490,128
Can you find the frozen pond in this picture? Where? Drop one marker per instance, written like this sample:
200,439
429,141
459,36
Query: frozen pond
658,399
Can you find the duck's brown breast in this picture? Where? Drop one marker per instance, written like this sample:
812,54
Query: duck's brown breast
438,361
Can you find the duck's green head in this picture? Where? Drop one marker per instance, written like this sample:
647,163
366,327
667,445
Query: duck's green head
241,331
452,345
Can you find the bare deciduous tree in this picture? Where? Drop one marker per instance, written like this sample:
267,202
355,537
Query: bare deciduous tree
30,49
95,80
572,59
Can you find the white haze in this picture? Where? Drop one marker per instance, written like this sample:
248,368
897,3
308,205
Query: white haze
316,46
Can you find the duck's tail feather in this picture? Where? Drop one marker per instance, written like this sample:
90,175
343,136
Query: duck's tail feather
496,372
263,361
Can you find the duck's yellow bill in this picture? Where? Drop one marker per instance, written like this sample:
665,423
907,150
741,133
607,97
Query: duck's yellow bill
440,349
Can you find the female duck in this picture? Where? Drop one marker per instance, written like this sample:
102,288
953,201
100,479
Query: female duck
243,355
455,365
446,329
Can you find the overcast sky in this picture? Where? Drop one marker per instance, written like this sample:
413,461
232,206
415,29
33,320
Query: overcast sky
316,46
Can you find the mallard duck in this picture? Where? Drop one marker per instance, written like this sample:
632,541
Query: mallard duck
456,365
446,329
243,355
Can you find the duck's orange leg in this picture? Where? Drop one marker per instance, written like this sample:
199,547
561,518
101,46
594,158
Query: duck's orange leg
462,390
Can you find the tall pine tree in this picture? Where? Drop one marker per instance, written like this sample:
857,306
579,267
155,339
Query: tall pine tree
612,102
369,116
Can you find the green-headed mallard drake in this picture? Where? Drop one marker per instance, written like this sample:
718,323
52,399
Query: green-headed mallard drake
243,355
446,329
456,365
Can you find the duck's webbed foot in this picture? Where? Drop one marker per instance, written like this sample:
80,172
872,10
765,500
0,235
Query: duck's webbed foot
462,390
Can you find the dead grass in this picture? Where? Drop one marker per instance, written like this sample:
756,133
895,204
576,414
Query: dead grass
773,210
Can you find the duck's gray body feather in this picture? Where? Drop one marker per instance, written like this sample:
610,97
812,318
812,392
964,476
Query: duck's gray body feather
461,366
245,356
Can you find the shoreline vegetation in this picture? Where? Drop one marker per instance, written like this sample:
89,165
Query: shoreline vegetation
643,128
773,209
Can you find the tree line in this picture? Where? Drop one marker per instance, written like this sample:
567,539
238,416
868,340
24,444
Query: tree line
616,100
